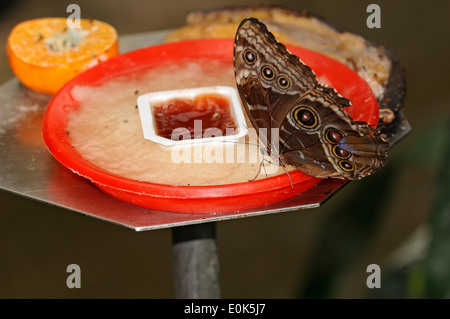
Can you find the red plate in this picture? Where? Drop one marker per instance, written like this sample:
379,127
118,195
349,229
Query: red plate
194,199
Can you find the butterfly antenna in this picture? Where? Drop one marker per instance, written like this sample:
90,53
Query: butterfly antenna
238,142
259,172
283,165
262,161
261,164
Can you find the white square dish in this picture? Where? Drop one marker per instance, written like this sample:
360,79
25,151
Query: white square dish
147,101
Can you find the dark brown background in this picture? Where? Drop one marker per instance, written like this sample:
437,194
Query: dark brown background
262,257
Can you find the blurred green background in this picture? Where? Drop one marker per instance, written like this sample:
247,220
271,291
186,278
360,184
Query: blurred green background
398,218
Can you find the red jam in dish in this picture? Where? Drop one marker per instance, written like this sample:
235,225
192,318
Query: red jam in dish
212,109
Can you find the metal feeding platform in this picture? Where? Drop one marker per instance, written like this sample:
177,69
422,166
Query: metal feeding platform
28,169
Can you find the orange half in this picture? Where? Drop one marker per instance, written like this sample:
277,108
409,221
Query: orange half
45,54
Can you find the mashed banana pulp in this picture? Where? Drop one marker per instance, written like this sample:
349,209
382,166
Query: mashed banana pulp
105,129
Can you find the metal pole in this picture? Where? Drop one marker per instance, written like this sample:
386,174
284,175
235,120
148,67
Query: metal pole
196,261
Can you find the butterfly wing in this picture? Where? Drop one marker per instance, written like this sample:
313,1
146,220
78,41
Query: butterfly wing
259,62
318,138
279,91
